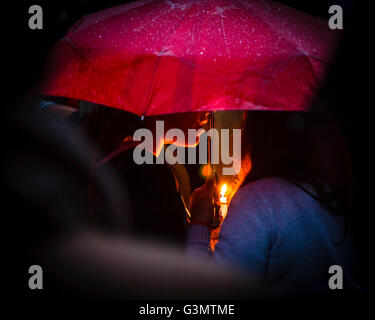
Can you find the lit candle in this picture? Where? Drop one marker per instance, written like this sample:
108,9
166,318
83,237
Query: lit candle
223,201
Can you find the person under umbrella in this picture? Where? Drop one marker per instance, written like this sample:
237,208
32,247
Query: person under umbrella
160,57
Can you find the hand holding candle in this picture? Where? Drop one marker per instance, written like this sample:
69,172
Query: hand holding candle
203,204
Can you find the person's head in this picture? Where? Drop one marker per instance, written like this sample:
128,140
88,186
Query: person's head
303,147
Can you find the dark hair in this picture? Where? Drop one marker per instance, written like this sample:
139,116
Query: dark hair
302,147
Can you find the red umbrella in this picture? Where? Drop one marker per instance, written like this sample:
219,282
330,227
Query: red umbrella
158,57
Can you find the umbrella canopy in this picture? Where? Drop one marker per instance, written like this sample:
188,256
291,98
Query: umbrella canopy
159,57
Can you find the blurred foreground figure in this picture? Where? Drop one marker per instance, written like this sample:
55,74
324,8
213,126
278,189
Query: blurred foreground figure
50,187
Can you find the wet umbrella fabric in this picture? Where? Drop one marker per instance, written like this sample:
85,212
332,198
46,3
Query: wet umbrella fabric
160,57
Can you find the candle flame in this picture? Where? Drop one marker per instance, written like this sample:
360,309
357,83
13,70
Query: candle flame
224,189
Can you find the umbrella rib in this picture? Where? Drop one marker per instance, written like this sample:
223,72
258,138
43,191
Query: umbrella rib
266,4
76,50
225,37
152,85
178,23
247,7
74,28
293,45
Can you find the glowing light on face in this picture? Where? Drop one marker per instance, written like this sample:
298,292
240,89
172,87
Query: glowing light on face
206,170
223,201
224,189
